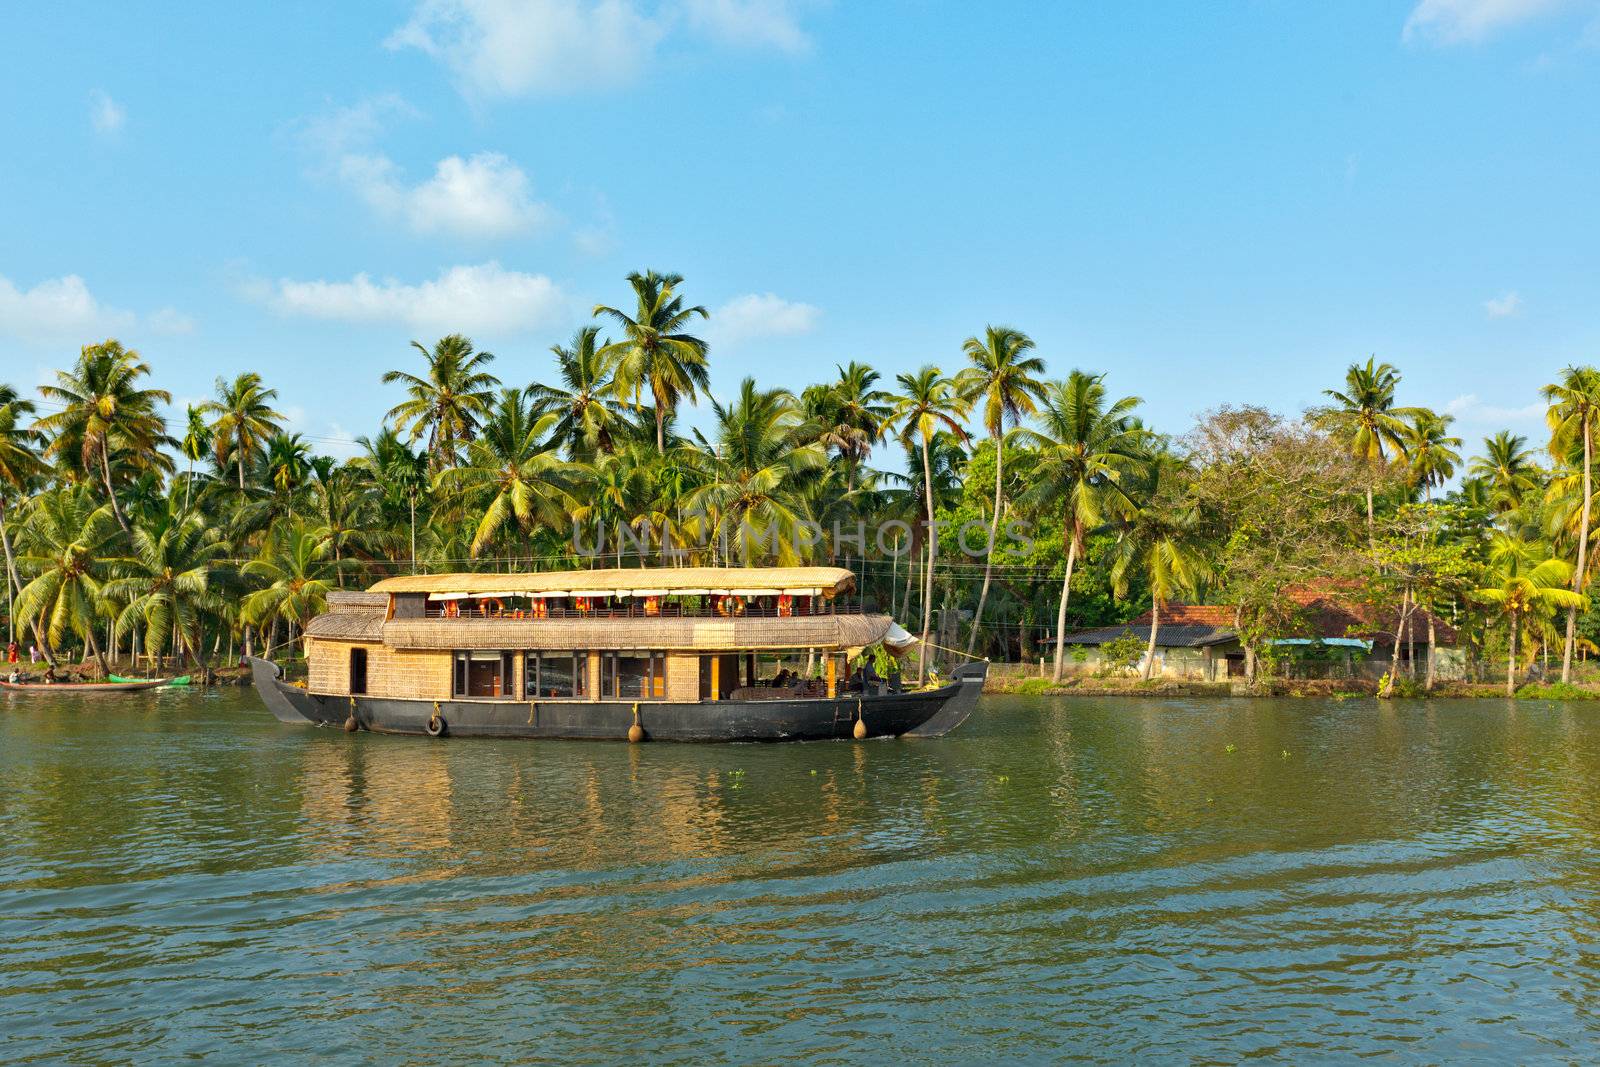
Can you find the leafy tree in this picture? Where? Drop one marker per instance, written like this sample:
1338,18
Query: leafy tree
751,471
244,420
511,476
165,584
583,401
1507,470
656,350
928,401
70,545
447,404
104,410
1086,446
1160,537
1574,401
1007,383
1365,418
1526,581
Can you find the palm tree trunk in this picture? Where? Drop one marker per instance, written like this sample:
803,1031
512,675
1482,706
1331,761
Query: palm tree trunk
13,583
111,494
933,548
94,646
1155,626
1066,592
1583,548
188,483
413,498
994,531
239,449
661,421
1432,645
1511,660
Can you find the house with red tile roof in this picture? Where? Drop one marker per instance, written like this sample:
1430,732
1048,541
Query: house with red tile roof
1338,635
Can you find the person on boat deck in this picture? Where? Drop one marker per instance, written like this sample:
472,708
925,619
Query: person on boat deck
784,679
15,677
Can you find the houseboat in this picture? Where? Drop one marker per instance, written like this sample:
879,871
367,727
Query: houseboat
689,654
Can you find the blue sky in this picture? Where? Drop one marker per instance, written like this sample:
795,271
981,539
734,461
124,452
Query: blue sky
1212,203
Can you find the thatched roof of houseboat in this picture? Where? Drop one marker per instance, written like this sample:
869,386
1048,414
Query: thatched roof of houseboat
636,581
351,616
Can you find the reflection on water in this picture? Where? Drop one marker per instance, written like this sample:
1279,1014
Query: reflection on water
179,875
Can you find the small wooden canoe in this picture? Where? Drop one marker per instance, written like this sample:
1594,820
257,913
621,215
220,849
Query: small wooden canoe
81,687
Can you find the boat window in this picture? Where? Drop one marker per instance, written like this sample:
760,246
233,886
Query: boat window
549,675
358,671
482,674
634,675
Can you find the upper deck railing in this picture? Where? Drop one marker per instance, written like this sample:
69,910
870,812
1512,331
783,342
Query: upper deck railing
636,608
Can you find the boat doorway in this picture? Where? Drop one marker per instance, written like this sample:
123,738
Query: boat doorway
358,671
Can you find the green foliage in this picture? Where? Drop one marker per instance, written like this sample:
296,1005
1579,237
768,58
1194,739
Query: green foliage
1556,691
1121,654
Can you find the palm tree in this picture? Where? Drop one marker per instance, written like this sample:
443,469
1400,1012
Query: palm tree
1008,383
1086,446
851,415
1432,450
1506,468
1366,418
588,416
287,460
655,350
105,412
166,584
511,475
1160,538
245,420
1574,401
751,469
19,466
339,498
400,474
297,576
928,401
70,545
448,404
1527,580
195,444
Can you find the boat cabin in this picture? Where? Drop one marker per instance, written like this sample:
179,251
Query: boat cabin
631,635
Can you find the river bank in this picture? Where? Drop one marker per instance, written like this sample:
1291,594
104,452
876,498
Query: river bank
1001,681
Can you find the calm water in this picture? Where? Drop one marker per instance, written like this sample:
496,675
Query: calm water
180,876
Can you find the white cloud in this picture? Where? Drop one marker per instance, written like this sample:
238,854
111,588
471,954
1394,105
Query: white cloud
517,47
1503,306
465,299
350,129
1472,411
757,315
105,114
64,310
508,48
749,23
485,195
1470,21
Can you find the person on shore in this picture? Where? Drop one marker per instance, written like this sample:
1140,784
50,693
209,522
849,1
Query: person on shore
33,653
50,675
11,652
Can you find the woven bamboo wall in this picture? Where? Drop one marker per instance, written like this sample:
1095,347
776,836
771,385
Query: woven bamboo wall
390,672
683,677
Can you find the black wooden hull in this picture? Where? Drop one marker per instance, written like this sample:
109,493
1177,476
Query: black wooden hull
931,713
